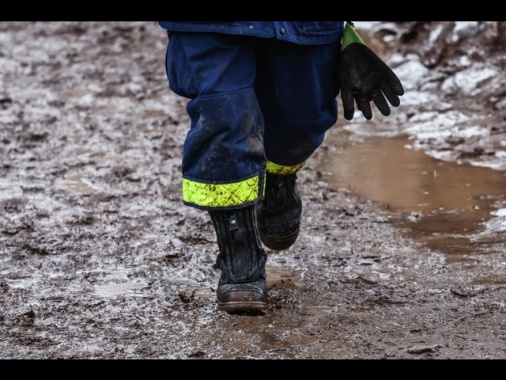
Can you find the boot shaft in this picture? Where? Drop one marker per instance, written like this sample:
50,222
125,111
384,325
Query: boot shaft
281,194
242,257
280,212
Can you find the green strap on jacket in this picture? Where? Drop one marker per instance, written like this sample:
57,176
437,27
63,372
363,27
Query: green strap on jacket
350,35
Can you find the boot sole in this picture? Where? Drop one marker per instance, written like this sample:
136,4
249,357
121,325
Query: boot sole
252,308
279,242
245,298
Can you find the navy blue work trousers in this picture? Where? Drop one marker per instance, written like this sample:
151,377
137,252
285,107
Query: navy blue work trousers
251,100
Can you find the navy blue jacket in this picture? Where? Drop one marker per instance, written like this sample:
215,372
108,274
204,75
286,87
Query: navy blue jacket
299,32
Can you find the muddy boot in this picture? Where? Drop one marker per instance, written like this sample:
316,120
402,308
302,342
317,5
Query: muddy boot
242,287
279,213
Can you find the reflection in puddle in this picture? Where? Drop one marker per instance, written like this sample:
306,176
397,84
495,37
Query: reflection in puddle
76,183
119,285
446,205
112,289
10,191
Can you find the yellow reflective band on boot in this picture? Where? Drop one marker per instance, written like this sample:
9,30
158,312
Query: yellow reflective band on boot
283,170
220,195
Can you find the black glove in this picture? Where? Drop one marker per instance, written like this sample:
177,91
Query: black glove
364,77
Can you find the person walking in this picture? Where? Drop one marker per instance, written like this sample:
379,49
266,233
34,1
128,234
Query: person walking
262,95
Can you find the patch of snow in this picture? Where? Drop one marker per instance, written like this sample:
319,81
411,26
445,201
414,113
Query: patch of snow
468,80
411,72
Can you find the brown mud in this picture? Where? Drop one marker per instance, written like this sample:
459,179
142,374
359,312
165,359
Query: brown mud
99,259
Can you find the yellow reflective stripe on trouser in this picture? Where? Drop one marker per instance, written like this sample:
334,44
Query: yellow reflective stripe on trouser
283,170
220,195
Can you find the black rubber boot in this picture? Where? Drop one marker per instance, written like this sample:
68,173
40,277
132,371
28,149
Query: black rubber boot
279,213
242,288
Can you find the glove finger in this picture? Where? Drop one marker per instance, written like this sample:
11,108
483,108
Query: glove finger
390,95
380,102
364,106
348,105
394,83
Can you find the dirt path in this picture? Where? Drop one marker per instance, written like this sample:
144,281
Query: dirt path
100,260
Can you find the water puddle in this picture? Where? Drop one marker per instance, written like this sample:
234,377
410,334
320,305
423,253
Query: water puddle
447,206
123,289
277,278
283,277
119,285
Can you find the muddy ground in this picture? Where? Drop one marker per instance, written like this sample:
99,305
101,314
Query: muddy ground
99,259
